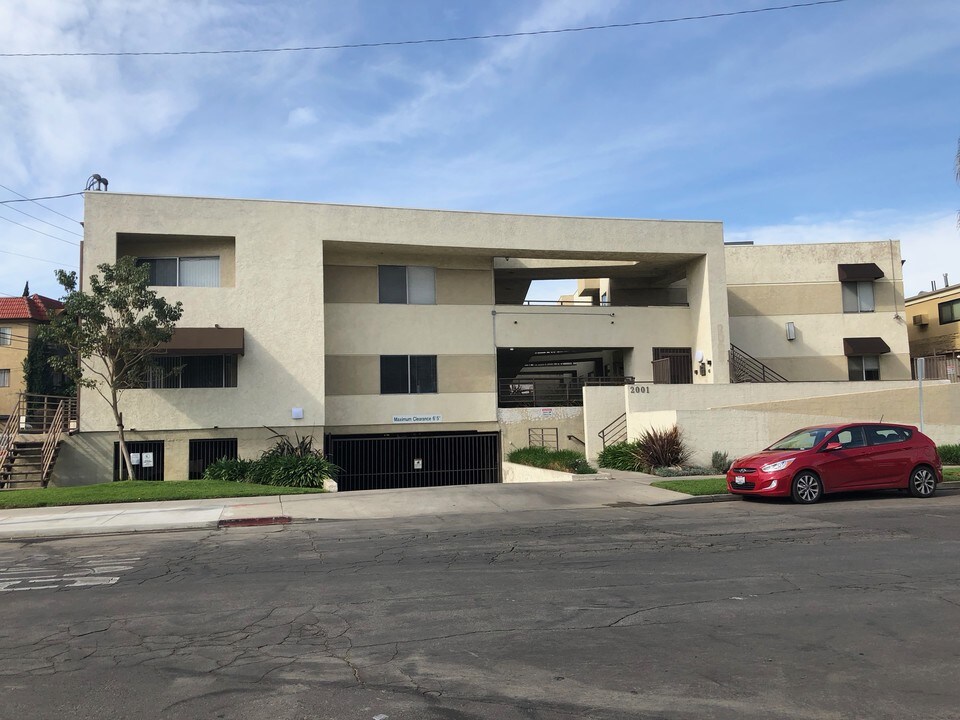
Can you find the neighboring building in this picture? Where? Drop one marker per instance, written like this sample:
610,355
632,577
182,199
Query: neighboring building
406,337
19,319
934,330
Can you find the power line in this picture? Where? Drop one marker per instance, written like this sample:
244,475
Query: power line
45,197
28,257
428,41
34,217
68,242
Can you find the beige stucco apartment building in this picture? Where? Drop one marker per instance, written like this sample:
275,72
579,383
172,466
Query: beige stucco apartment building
411,341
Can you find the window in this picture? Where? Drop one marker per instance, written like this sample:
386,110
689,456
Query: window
949,312
403,374
408,285
6,335
183,272
193,371
858,296
883,435
4,378
850,438
863,367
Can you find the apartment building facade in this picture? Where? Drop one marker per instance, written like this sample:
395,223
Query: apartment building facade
409,339
934,331
20,317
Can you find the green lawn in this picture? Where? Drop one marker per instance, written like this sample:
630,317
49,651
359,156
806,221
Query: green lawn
951,474
700,486
138,491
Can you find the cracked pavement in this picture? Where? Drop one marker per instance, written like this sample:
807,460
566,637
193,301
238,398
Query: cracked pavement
739,610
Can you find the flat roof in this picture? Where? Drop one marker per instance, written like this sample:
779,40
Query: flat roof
393,207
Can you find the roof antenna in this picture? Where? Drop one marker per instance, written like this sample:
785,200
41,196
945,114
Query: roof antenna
96,182
881,417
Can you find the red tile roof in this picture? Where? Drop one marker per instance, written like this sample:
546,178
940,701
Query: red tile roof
36,307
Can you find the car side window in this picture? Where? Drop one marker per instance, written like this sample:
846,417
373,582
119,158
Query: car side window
881,435
850,438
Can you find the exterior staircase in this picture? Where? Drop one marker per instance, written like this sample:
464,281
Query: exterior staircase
30,441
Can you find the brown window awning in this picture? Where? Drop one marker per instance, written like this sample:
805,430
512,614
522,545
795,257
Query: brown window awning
865,346
859,271
205,341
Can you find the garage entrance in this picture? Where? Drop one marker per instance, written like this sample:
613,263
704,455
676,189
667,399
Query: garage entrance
409,460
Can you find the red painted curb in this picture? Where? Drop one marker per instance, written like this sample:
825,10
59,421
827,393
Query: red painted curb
254,522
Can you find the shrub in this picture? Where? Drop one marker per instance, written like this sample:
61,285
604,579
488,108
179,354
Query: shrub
292,471
229,470
663,448
949,454
682,471
623,456
720,462
563,460
287,464
284,446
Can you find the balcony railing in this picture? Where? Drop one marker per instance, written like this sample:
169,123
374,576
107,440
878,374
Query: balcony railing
549,391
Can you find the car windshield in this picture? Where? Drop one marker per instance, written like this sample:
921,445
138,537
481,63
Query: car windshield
801,439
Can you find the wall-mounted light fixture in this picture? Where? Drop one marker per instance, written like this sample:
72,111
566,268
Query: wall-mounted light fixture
791,331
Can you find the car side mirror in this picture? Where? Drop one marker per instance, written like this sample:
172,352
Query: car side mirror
831,446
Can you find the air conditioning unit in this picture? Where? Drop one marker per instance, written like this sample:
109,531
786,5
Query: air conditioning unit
920,320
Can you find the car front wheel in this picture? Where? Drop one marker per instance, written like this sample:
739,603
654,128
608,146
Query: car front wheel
923,483
807,488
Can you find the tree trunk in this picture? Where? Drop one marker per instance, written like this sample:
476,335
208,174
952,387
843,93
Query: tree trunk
124,452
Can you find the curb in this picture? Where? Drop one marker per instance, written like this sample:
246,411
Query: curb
697,499
254,522
951,487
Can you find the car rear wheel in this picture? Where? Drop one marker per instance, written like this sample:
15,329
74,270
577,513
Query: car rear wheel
923,483
807,488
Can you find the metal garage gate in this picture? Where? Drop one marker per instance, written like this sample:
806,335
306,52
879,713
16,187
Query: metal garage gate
409,460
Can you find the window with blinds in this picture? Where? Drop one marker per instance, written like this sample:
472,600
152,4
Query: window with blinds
183,271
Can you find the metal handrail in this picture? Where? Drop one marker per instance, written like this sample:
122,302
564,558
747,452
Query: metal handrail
615,431
10,430
550,391
747,368
38,411
52,440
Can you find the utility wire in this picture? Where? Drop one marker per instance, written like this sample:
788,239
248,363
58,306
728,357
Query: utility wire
34,217
41,232
428,41
45,197
28,257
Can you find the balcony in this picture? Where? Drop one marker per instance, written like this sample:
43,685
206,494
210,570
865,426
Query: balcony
550,391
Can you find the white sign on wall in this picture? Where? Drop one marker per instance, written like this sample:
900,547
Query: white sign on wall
147,460
134,458
406,419
546,412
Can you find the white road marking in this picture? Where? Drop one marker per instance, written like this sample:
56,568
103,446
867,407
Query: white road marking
81,572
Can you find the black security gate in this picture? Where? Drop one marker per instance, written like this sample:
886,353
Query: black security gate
680,367
207,452
408,460
146,457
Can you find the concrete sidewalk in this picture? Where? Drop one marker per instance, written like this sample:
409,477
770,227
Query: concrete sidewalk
370,504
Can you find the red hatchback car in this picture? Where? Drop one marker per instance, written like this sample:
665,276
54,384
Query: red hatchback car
835,458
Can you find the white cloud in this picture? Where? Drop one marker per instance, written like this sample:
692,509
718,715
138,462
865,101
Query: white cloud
301,117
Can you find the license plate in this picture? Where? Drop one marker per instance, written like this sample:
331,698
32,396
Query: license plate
739,480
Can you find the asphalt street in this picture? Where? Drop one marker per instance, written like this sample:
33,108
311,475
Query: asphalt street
847,609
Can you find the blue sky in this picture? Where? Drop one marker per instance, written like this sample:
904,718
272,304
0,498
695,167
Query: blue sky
833,123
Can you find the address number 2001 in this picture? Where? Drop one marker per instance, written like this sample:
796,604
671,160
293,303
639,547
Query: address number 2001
641,389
